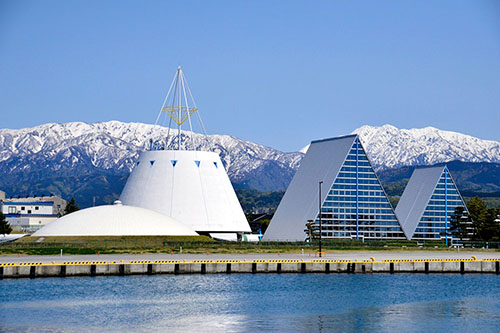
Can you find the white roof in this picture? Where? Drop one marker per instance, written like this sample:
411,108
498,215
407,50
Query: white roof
323,161
190,186
115,220
416,196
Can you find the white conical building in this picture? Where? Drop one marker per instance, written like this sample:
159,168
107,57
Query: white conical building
190,186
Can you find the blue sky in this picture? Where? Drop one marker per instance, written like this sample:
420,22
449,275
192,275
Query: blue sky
279,73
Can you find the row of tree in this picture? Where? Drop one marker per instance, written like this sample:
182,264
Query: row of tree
479,224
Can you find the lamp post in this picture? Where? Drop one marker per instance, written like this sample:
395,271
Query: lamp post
320,230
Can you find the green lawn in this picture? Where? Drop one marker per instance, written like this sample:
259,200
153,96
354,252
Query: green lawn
197,244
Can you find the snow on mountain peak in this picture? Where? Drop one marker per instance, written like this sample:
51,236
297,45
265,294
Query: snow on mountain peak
115,145
81,148
390,147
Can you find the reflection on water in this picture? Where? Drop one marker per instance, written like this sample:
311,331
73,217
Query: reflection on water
266,302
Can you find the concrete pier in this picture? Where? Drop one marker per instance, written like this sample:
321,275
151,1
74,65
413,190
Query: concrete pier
283,266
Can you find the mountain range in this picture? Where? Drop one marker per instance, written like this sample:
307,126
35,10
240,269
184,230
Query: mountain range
94,160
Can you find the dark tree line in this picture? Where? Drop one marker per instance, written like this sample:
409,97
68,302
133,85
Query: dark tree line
480,224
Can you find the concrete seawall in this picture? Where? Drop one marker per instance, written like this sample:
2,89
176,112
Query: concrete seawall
103,268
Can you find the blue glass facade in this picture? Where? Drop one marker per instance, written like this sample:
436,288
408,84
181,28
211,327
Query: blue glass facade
356,205
435,221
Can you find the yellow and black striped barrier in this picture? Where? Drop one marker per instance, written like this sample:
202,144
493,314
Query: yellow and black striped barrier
243,261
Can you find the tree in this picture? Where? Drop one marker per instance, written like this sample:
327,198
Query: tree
264,223
484,220
478,213
490,228
459,223
71,207
5,228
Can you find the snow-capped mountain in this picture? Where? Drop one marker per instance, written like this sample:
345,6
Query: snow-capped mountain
80,148
389,147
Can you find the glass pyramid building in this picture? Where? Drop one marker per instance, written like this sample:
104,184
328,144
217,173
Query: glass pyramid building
428,202
353,203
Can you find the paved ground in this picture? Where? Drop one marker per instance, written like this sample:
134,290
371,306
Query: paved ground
336,255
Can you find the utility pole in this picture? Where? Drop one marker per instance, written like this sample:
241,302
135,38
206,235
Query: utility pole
320,224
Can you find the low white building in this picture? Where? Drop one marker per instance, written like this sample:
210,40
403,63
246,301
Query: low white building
29,214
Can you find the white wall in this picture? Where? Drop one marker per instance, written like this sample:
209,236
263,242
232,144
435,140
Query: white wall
200,196
17,208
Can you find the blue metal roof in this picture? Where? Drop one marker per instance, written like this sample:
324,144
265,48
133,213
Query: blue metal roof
20,203
31,215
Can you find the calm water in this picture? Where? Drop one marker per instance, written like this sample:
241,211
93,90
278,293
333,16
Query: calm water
286,302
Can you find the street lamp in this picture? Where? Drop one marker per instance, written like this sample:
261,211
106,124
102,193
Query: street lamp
320,230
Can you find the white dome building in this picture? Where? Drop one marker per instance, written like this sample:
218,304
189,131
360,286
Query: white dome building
115,220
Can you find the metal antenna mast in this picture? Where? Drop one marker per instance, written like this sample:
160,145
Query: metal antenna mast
179,105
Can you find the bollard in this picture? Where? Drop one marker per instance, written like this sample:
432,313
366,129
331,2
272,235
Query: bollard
309,253
278,253
207,252
180,249
61,252
135,252
19,255
98,253
302,251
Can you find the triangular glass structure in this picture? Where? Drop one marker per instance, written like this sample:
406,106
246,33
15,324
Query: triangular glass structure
357,206
434,219
352,202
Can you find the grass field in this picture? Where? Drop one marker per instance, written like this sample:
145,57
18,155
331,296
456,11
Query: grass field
197,244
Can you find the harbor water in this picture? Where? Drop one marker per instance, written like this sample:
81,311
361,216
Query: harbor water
259,302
